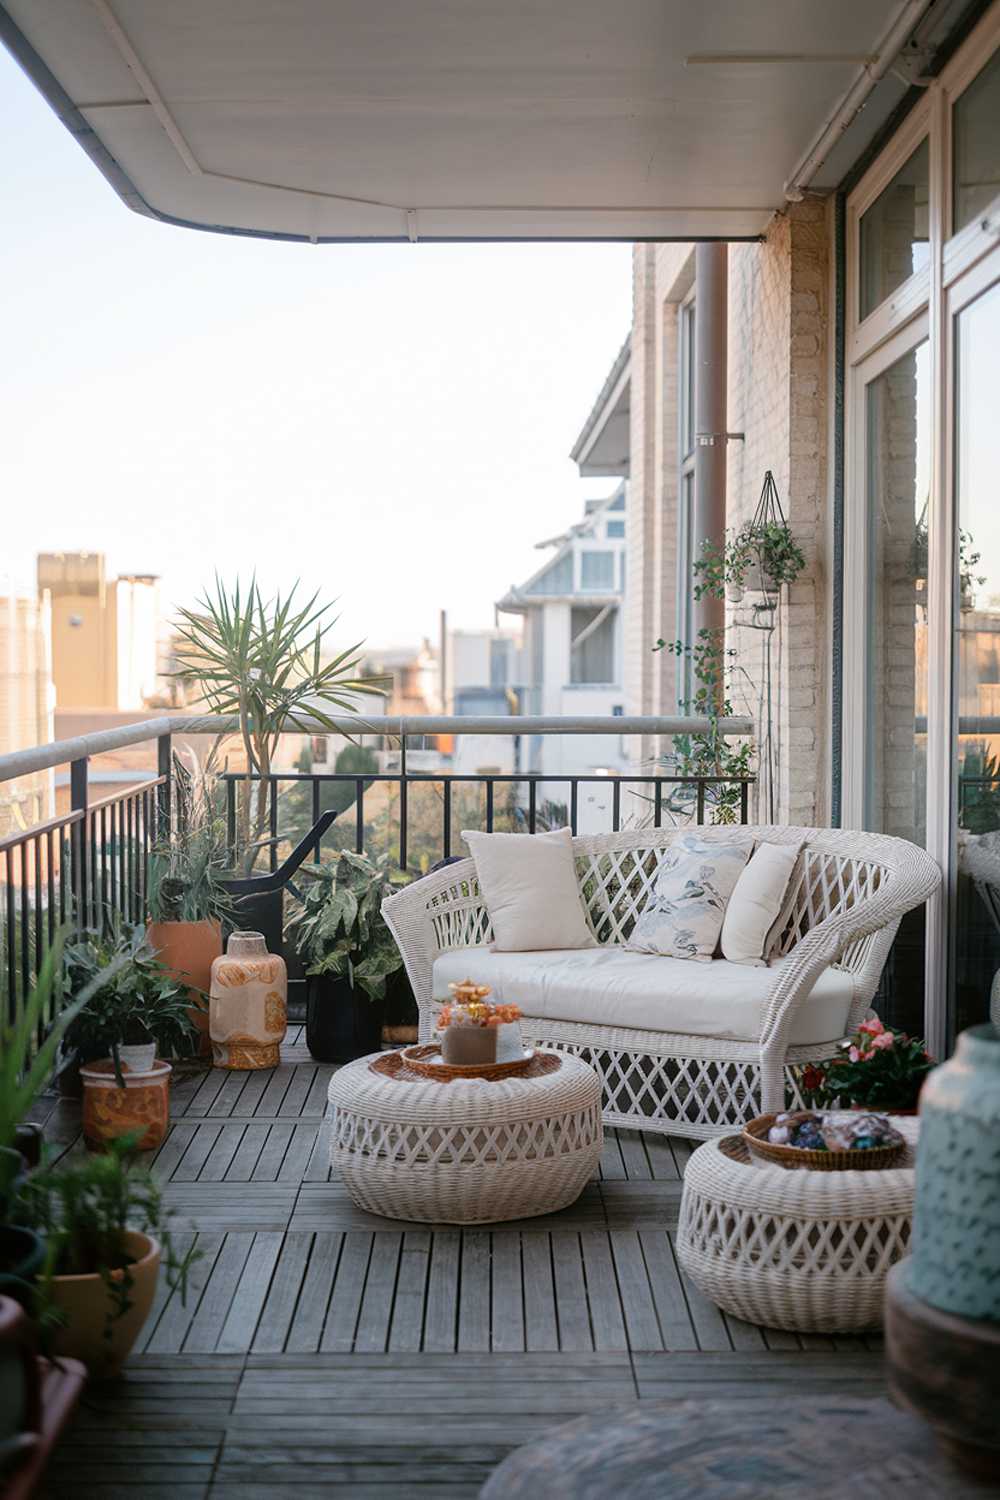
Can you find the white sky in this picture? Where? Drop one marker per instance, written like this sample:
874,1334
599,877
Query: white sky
389,423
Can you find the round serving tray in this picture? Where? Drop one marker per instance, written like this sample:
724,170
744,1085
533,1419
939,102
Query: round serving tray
426,1060
796,1158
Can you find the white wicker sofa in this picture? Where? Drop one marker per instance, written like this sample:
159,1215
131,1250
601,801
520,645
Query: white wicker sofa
681,1047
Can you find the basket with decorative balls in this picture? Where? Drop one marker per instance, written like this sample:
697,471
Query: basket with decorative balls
475,1031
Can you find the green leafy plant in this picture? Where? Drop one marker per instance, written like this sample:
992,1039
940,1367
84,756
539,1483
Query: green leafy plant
83,1208
338,927
979,790
130,999
878,1069
186,869
710,753
264,661
761,554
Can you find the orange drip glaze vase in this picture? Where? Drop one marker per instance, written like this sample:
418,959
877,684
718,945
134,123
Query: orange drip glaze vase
248,1008
142,1106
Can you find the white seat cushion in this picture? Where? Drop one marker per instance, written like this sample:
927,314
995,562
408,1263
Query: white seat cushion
615,987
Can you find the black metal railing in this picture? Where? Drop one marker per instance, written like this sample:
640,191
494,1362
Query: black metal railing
88,867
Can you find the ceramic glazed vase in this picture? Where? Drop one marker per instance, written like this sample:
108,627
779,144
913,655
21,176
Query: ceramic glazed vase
142,1105
248,1011
188,950
955,1263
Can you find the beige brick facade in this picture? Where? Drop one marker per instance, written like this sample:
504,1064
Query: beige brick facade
777,396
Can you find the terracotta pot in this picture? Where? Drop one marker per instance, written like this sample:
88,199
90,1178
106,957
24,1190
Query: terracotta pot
90,1310
110,1111
248,1009
188,950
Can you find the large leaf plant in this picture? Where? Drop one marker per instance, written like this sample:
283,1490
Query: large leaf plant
338,928
266,662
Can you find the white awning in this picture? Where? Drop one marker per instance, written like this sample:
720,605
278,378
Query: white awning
452,119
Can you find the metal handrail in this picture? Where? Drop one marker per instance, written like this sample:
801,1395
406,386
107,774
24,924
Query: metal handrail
99,742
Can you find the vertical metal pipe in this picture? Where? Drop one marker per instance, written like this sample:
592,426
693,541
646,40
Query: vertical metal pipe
711,352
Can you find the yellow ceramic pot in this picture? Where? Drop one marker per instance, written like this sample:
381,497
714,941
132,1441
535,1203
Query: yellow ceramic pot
94,1332
248,1010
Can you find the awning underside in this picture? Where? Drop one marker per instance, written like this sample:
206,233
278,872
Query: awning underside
450,119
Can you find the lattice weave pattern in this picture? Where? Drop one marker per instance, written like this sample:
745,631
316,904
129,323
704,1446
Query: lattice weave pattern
844,903
807,1251
467,1151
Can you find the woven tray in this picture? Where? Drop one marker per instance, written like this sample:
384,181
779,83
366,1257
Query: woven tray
417,1064
795,1158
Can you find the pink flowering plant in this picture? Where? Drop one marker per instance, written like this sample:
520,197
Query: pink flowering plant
878,1069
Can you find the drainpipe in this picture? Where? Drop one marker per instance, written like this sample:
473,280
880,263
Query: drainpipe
710,351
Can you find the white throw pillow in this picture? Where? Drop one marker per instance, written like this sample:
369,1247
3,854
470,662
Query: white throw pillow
684,915
529,884
756,903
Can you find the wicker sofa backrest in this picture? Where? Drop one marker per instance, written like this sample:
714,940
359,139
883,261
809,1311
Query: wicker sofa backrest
617,873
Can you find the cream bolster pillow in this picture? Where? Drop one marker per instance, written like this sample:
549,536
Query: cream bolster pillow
684,914
529,884
756,902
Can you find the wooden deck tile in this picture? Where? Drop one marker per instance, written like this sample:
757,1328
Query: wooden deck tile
328,1351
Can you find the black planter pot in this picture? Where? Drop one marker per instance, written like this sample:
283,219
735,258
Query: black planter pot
22,1255
341,1022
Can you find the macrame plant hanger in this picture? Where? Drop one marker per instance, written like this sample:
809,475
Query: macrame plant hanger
764,618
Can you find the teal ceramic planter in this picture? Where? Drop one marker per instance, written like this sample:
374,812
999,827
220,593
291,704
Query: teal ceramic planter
955,1263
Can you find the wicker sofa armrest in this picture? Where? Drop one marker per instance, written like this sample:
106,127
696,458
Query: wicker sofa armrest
414,914
857,938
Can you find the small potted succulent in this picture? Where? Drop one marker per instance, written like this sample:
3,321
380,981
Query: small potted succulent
878,1069
133,1018
106,1235
347,953
187,899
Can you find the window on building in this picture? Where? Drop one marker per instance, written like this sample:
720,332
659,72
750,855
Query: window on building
592,644
976,145
597,572
499,663
614,529
894,232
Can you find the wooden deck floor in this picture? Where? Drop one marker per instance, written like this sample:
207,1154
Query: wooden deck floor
327,1350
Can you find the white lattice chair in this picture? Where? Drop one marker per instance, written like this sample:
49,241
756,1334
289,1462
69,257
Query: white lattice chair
842,908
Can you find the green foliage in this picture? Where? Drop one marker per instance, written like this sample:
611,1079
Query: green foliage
338,927
336,796
25,1064
979,790
82,1207
871,1072
130,998
263,660
186,870
761,555
710,753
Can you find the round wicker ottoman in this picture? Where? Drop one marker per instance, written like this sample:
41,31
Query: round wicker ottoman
807,1251
467,1151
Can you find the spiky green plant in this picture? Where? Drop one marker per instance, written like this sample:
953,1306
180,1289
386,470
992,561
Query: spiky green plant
187,867
263,661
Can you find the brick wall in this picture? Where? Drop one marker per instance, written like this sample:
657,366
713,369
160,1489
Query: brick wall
778,330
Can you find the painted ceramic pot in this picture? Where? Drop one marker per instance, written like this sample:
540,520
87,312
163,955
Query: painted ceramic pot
955,1263
248,1009
188,950
110,1111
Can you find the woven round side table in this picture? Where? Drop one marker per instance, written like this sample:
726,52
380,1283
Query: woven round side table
466,1151
806,1251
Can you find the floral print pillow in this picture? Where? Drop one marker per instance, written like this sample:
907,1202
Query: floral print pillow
684,916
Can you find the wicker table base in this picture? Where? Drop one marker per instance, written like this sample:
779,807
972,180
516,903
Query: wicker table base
808,1251
824,1447
468,1151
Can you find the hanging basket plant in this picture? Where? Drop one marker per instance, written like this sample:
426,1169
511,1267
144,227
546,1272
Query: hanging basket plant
760,557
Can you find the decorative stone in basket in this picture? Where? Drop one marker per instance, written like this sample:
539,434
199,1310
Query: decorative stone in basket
827,1142
474,1031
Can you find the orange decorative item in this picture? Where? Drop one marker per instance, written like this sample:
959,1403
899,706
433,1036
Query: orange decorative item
475,1032
110,1111
188,950
248,1011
